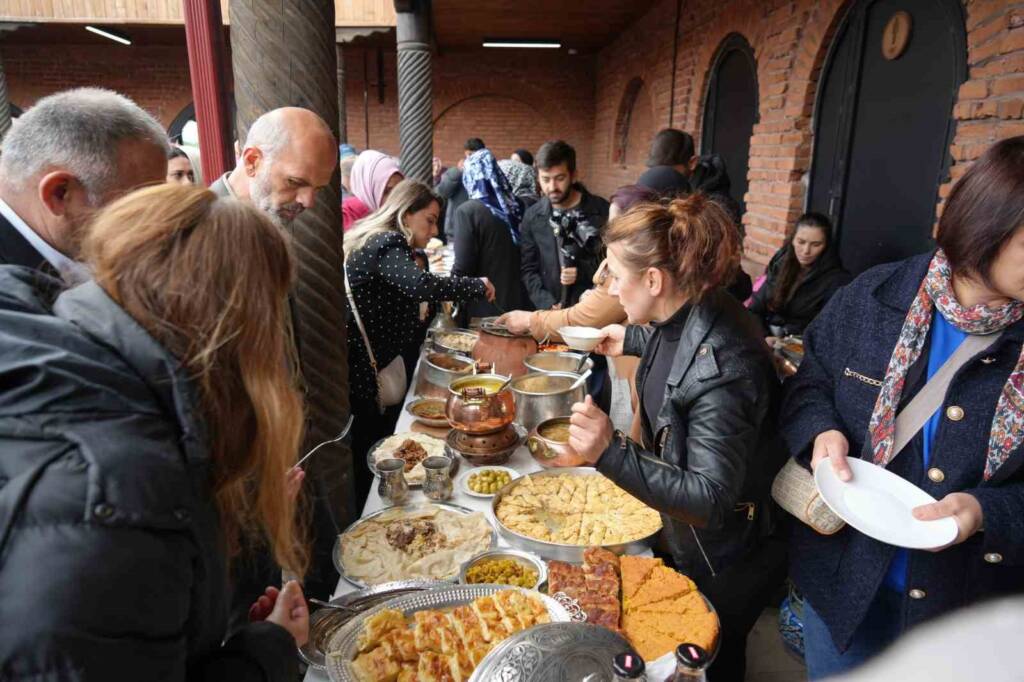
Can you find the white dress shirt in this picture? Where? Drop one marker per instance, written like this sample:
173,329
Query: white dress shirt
71,271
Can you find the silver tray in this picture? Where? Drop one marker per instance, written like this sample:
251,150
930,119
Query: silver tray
553,652
557,550
336,551
344,641
324,622
436,344
448,452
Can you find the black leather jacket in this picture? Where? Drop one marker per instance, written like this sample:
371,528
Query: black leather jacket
710,458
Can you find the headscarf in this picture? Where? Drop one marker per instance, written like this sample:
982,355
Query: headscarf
936,292
370,175
521,177
485,182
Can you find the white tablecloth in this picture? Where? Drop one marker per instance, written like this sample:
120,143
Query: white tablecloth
521,461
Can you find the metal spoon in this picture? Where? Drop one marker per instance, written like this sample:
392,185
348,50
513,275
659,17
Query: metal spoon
583,361
583,377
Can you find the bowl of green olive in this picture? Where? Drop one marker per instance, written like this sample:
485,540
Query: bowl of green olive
486,481
505,567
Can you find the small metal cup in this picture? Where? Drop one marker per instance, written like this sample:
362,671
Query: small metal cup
393,488
438,483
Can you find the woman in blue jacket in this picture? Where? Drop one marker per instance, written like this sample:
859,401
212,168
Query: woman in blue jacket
873,348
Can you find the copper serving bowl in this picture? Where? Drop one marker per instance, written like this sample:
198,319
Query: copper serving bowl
549,444
482,403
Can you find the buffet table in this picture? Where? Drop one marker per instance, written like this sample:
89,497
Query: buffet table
521,462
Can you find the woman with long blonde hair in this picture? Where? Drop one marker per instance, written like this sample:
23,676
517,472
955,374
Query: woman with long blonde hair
146,427
387,288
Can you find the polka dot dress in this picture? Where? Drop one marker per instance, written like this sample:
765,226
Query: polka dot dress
388,288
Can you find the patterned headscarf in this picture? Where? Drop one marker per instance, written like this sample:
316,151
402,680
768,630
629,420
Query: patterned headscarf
485,182
937,292
523,178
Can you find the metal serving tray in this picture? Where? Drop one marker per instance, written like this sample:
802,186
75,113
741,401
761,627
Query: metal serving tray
556,550
324,622
336,552
343,643
554,652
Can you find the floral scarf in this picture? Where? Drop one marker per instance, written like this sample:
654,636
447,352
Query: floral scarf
937,291
521,177
485,182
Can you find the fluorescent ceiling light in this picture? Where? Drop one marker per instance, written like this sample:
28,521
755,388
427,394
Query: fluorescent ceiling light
110,33
544,44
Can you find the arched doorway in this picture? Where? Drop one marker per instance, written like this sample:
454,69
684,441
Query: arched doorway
883,125
730,111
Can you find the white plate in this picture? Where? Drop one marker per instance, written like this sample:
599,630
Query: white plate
463,479
878,503
581,338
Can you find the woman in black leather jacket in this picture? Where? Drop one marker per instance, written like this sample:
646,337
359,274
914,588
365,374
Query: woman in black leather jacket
707,396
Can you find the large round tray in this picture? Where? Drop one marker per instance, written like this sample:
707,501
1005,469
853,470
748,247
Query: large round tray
371,462
343,643
324,622
336,551
555,550
553,652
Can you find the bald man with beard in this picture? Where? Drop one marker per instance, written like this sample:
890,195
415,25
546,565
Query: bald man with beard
288,156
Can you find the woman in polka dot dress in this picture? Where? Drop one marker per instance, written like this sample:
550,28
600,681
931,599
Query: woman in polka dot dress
388,288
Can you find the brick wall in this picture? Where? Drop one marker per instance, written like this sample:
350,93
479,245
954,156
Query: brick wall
511,100
790,41
519,98
155,77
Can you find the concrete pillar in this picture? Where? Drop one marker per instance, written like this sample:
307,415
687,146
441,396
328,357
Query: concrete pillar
415,89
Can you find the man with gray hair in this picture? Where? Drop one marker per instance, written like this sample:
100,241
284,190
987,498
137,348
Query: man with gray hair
70,154
288,156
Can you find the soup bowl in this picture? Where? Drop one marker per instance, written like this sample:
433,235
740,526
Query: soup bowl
549,444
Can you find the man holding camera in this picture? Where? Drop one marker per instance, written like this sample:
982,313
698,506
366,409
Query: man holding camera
560,236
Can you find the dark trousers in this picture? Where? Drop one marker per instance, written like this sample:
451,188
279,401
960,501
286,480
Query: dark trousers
739,594
368,427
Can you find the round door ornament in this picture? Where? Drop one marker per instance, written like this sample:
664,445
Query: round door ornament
896,35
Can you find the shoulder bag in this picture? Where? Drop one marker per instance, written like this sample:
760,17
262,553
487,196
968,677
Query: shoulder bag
392,382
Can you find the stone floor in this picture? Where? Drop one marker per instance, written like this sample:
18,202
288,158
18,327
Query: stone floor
768,660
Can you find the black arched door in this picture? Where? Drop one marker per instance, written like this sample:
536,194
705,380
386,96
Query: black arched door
730,111
883,125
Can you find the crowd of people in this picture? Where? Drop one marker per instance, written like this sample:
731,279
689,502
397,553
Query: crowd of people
150,417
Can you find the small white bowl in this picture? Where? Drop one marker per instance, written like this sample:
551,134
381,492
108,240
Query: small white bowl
581,338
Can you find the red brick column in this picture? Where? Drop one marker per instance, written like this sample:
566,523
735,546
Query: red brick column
204,33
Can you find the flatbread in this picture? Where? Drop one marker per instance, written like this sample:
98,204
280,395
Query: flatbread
428,543
388,446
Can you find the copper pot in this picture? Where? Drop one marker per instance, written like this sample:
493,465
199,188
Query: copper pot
549,448
482,403
505,351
